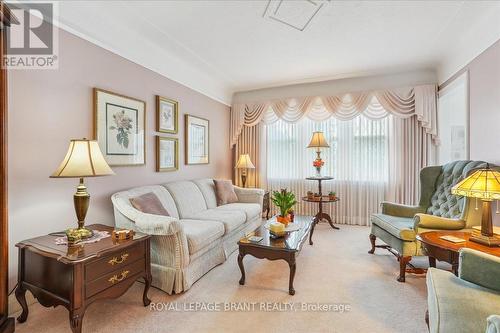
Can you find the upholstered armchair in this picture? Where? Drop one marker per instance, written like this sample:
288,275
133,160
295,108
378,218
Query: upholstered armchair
438,209
469,303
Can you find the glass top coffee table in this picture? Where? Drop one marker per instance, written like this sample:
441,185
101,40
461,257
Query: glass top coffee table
285,248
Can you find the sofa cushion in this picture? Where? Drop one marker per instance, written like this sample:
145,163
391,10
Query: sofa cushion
188,198
250,209
201,233
161,193
231,219
224,191
400,227
149,203
207,188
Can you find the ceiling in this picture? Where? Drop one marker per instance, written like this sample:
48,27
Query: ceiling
220,47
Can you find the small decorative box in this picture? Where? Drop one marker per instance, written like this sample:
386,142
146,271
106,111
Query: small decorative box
123,234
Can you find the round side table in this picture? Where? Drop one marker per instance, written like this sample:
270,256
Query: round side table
439,249
320,200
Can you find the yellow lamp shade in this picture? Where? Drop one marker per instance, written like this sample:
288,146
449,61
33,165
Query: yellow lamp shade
83,159
482,184
244,162
318,141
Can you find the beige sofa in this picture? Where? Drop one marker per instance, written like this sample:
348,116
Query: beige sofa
197,236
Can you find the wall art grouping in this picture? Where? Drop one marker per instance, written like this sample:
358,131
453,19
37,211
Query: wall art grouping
120,130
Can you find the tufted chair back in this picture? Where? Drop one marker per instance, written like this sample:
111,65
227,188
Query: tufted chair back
442,203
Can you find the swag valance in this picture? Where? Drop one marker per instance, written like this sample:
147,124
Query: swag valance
419,101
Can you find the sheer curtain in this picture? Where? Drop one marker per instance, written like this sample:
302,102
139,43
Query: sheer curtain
358,159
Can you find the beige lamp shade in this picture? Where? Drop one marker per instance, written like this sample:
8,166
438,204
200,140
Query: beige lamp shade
482,184
244,162
318,141
83,159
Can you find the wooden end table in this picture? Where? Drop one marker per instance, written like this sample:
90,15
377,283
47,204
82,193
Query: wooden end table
76,276
443,250
285,248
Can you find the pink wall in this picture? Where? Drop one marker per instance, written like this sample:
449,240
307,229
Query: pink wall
484,76
49,107
484,102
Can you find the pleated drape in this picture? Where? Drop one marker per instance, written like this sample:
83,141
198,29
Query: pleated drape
357,159
410,149
370,160
250,142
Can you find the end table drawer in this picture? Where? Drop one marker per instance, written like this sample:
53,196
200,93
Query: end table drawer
114,278
113,261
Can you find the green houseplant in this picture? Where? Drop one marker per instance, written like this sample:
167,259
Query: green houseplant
284,200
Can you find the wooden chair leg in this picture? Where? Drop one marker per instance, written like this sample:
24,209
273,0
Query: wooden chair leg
403,261
372,241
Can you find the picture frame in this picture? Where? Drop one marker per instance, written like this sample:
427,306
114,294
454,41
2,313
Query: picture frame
120,128
167,115
167,154
197,140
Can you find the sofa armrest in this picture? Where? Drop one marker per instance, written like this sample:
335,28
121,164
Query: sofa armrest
479,268
426,221
249,195
147,223
169,247
394,209
468,304
493,324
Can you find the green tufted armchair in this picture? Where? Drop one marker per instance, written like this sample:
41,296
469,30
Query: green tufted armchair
438,209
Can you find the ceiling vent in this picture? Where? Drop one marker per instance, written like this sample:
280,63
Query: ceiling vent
294,13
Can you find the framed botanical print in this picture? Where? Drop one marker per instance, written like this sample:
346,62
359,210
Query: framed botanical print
167,154
167,111
197,140
119,128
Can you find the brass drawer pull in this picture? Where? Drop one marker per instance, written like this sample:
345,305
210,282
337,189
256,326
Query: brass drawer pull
114,279
116,261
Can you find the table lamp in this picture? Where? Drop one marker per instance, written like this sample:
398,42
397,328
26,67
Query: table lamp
83,159
483,184
318,141
244,163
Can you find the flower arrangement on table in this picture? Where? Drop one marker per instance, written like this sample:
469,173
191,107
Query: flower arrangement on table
285,201
318,164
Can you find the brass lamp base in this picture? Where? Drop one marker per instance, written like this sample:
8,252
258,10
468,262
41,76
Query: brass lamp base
244,180
486,236
485,240
81,199
77,234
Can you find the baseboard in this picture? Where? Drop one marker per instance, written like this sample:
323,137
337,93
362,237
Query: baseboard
15,307
8,326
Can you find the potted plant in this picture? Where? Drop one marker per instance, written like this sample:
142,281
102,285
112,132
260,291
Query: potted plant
284,200
332,195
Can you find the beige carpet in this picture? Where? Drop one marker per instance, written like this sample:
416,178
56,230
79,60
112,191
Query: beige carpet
336,269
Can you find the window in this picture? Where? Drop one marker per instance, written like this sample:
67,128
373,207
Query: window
358,149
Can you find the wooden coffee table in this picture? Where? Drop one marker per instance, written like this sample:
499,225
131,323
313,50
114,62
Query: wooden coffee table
285,248
443,250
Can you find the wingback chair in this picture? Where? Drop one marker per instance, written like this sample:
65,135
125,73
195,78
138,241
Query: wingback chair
398,225
469,302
